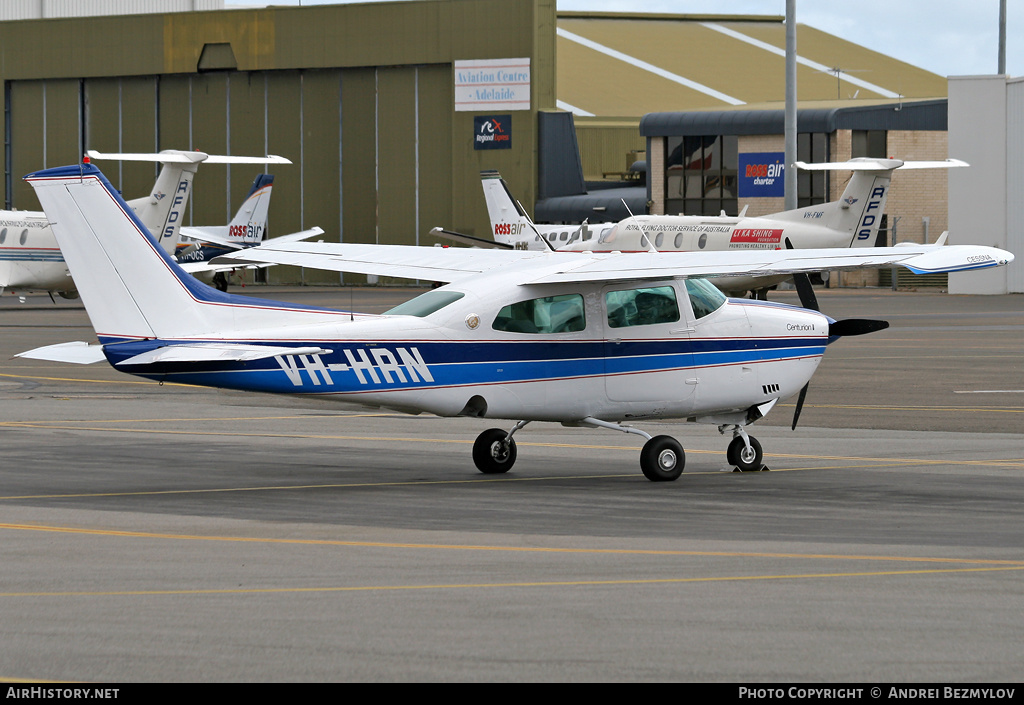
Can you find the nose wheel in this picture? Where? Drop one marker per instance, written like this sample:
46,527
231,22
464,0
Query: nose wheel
743,457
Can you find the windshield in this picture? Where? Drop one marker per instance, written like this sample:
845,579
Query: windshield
425,304
704,297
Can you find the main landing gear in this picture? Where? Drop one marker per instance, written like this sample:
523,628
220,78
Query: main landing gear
661,459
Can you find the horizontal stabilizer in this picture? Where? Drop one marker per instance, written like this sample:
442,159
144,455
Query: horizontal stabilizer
873,164
218,352
78,352
173,156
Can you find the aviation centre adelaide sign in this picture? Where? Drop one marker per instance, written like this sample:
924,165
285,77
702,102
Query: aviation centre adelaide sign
762,174
492,84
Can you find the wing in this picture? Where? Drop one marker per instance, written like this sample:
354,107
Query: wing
445,264
920,259
450,264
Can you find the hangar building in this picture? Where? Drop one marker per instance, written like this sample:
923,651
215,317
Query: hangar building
380,106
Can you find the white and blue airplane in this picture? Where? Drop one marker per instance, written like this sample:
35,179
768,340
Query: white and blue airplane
30,259
598,340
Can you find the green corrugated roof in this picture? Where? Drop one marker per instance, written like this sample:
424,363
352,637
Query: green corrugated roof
633,64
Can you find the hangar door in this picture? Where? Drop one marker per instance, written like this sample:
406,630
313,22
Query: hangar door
371,147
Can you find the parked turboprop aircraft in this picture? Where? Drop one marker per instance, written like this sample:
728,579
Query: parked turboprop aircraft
200,244
852,221
29,257
593,340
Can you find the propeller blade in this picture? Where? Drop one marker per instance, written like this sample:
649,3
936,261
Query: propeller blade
806,292
856,326
799,405
803,287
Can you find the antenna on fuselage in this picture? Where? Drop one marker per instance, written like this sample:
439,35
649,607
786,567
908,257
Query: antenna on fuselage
529,221
643,233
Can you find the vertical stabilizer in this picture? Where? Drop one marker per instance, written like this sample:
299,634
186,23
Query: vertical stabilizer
859,210
249,225
509,222
131,288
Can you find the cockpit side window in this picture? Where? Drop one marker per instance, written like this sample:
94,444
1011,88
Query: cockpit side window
548,314
641,307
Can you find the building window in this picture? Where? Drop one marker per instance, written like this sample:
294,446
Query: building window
869,143
701,174
811,186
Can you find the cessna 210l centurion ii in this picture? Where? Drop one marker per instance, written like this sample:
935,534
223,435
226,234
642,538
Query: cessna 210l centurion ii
852,221
595,340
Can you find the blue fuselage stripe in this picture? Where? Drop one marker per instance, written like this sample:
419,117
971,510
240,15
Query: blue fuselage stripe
405,365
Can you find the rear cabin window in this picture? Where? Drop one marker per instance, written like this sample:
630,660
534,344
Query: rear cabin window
549,314
641,307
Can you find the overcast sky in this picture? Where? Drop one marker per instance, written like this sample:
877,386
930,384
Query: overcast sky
947,37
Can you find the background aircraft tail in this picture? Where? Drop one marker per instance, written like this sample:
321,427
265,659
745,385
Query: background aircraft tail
163,210
859,210
509,222
131,288
249,224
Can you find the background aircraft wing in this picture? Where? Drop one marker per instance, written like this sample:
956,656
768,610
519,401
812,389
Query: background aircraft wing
219,236
470,239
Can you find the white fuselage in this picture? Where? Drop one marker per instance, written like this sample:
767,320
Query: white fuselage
454,361
30,259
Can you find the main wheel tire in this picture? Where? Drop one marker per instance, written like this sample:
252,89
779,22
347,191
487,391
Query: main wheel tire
662,459
492,454
220,281
743,459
